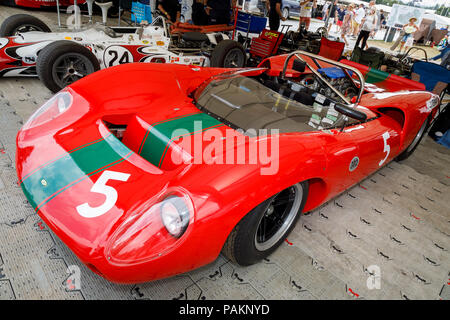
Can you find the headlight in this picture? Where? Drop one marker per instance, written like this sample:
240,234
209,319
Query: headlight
433,102
175,215
154,232
54,107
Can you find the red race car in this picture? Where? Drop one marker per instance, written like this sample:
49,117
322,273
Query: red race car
40,3
146,171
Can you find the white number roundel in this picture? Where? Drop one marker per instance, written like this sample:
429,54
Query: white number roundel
115,55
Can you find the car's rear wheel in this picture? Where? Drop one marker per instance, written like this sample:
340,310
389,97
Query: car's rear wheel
285,13
20,23
264,228
228,54
63,62
416,141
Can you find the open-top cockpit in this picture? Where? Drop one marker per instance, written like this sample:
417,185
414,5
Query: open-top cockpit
309,94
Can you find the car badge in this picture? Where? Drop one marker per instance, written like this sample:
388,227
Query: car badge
353,164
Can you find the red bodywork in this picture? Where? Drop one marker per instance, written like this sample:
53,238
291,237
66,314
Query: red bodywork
45,3
144,95
10,61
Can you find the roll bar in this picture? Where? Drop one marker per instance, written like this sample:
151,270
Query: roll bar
316,57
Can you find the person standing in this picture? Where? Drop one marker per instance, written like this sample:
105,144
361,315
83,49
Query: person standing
372,6
347,23
170,8
219,11
325,10
382,19
332,15
359,16
409,30
199,16
306,8
275,15
368,25
341,11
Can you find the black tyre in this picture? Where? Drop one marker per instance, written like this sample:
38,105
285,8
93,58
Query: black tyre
228,54
416,141
21,23
285,13
264,228
63,62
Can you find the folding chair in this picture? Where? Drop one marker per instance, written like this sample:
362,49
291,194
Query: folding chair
331,49
436,78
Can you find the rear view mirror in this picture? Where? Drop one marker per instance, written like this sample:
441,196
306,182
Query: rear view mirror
350,112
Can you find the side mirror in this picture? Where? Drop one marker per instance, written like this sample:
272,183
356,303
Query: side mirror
350,112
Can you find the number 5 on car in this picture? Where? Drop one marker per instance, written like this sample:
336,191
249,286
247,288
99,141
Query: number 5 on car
387,148
85,210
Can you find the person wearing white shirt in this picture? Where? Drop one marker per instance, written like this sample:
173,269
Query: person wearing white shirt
368,24
359,16
306,7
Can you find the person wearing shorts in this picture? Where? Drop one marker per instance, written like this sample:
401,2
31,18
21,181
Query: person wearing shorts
359,16
306,8
340,14
409,30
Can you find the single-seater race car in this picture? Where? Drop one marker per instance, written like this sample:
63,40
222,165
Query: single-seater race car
60,58
142,182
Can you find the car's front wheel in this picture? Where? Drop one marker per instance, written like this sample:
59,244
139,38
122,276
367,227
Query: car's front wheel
228,54
20,23
285,13
264,228
63,62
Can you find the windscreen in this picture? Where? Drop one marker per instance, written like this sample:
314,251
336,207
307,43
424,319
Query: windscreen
247,103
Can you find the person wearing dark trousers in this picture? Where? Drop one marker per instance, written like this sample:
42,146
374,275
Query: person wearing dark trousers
368,26
275,15
171,9
219,11
199,16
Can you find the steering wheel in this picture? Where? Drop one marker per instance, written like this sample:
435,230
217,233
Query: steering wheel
323,32
406,60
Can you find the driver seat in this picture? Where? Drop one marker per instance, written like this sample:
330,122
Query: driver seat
370,58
